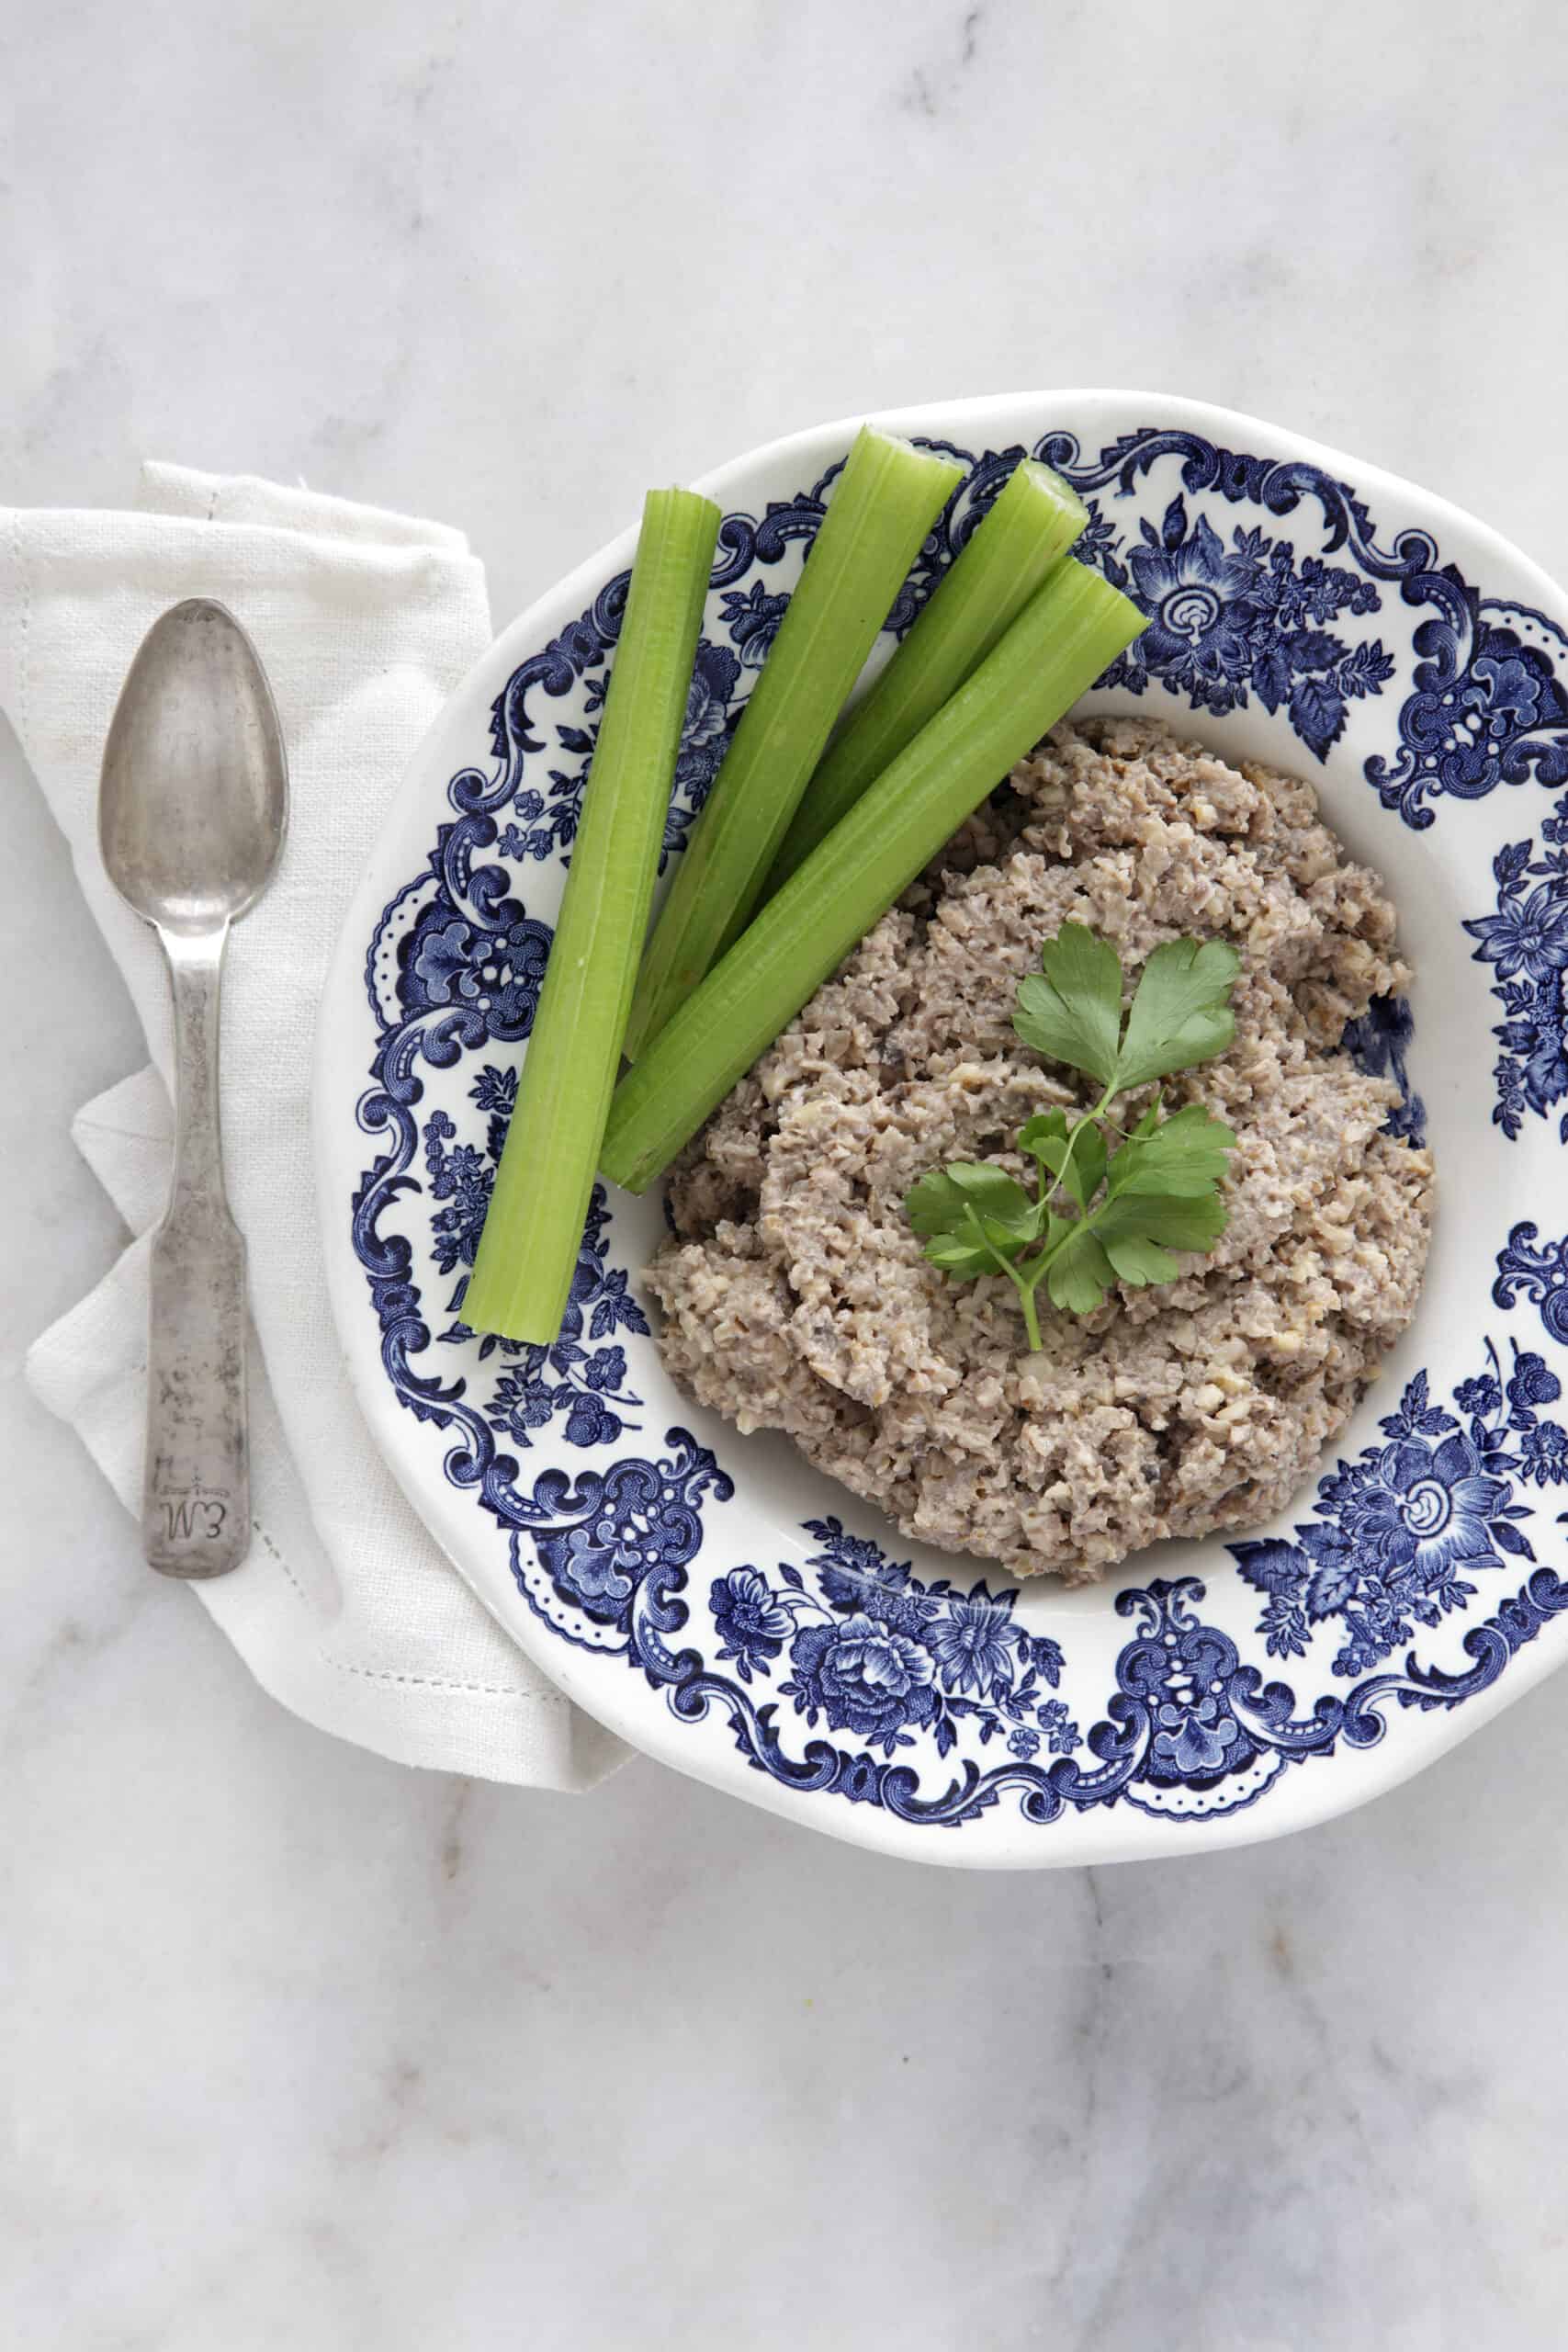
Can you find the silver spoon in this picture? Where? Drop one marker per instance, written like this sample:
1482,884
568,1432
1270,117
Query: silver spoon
192,807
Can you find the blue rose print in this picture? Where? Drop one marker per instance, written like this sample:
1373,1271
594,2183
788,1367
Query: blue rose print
879,1653
865,1677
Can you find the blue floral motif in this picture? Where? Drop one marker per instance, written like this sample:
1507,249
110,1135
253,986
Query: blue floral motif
1399,1524
1189,1720
865,1677
1532,1383
1230,620
461,1177
1061,1732
704,737
1486,708
546,823
494,1091
543,810
972,1644
1378,1043
895,1655
581,1381
1545,1454
752,619
522,838
854,1573
542,822
875,1652
1528,936
753,1626
1227,621
872,1650
1526,943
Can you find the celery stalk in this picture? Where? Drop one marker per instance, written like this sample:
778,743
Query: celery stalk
1030,526
1058,645
533,1231
882,506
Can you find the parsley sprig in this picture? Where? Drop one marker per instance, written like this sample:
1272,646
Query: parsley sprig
1097,1214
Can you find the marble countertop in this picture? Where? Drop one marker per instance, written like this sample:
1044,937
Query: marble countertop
299,2047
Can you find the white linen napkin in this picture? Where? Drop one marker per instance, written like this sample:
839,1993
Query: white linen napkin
345,1610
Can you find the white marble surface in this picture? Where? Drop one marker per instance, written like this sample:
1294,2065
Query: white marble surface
298,2047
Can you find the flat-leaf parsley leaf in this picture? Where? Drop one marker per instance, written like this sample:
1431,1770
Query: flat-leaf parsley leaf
1098,1215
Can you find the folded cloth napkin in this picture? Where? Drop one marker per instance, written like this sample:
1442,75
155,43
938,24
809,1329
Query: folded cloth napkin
345,1610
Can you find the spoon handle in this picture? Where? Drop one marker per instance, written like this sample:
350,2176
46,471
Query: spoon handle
196,1509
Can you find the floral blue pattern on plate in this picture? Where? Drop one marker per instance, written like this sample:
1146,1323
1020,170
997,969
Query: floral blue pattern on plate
725,1608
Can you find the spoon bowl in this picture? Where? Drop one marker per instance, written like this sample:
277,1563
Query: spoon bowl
193,799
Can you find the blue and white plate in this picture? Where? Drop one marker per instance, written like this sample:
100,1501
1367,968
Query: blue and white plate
739,1615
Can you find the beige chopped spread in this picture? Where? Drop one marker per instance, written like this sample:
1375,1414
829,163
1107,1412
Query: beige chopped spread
796,1295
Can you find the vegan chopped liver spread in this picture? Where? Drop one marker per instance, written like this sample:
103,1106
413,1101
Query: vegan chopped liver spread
796,1296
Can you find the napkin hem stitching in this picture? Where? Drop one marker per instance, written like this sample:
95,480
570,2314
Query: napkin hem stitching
435,1682
389,1674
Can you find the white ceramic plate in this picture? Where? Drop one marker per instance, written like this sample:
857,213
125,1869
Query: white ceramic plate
739,1616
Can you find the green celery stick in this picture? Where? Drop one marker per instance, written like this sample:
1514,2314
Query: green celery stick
884,503
1067,633
1031,526
533,1231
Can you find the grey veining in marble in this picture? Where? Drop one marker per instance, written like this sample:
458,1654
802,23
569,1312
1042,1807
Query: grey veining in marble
299,2048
